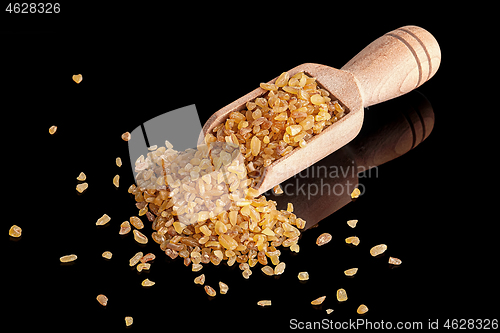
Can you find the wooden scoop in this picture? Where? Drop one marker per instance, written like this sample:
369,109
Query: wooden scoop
390,66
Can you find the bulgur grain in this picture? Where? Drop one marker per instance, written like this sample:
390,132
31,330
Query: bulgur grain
246,273
15,231
264,303
81,176
68,258
303,276
394,261
136,222
355,193
107,254
201,201
103,220
125,228
126,136
223,288
78,78
129,321
135,259
116,180
82,187
318,300
52,129
210,291
102,299
142,266
200,279
378,249
196,267
341,295
148,257
323,239
350,271
140,237
118,162
277,190
362,309
268,270
352,240
352,223
280,268
147,283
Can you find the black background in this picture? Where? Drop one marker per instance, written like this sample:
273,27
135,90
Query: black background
431,206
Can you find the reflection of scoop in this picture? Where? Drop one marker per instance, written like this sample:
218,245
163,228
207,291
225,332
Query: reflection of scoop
390,66
391,130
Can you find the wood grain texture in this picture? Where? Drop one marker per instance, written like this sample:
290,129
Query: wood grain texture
395,64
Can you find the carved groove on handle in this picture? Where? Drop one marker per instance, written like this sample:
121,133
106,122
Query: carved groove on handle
414,53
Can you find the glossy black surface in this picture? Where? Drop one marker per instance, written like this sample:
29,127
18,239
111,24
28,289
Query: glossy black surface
429,205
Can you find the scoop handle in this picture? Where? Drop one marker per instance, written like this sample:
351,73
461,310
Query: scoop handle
394,64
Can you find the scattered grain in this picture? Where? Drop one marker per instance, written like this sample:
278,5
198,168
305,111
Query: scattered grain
147,283
328,311
280,268
78,78
135,259
268,270
107,254
129,321
318,300
102,299
200,279
210,291
362,309
246,273
378,249
118,162
136,222
350,271
277,190
82,187
355,193
125,228
196,267
143,266
126,136
223,287
116,180
303,276
140,237
352,223
103,220
394,261
81,176
148,257
341,295
323,239
68,258
352,240
264,303
15,231
52,129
